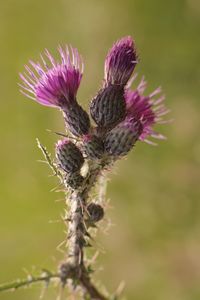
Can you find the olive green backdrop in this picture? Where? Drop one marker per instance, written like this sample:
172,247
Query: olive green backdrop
154,245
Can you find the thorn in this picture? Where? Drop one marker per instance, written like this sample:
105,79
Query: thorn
58,248
55,221
46,272
67,219
88,235
41,161
88,245
55,188
119,290
60,200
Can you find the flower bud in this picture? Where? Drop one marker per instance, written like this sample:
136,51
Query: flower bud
76,119
120,62
95,211
74,180
69,156
121,139
108,108
93,147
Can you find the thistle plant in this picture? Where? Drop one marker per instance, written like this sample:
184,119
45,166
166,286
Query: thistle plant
87,152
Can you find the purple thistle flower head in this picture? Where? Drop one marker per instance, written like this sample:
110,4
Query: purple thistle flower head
120,62
146,109
53,83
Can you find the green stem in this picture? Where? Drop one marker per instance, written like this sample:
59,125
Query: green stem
25,282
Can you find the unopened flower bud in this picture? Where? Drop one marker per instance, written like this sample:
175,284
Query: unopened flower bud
74,180
95,211
93,146
77,119
108,108
121,139
69,156
120,62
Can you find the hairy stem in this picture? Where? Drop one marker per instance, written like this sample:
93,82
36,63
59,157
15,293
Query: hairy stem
77,232
102,189
46,277
90,288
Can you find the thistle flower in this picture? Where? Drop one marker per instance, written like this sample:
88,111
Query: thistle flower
56,84
147,110
120,62
107,108
53,83
122,116
69,156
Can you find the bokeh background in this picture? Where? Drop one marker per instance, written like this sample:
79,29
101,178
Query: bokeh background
154,245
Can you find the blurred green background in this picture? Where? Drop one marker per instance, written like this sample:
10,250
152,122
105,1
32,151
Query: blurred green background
154,245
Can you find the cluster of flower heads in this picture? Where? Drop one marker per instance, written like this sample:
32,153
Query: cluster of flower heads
122,116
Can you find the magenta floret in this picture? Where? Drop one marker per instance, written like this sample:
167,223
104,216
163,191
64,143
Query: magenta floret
53,83
120,61
148,110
